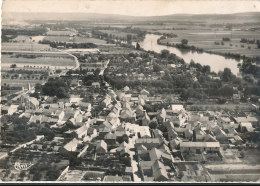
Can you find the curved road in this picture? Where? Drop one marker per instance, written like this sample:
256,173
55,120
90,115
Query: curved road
75,59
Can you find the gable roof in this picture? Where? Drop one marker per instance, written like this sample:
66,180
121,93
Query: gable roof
159,170
199,144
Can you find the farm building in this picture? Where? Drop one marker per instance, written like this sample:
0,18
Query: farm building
199,146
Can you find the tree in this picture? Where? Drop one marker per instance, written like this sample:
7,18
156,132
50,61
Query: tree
137,46
184,95
184,41
153,125
13,66
157,68
58,71
96,72
206,69
227,74
56,87
129,38
165,53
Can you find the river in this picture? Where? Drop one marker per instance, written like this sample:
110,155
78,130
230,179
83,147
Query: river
216,62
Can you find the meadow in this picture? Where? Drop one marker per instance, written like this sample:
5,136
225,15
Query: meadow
118,34
206,39
75,39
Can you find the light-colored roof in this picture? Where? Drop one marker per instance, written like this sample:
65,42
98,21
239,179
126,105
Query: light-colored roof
33,100
72,145
148,140
245,119
146,116
199,144
177,107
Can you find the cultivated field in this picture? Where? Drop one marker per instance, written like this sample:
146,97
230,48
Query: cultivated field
40,61
21,83
25,47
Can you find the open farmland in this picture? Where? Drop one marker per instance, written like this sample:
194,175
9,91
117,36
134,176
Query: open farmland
21,83
25,47
38,61
75,39
118,34
206,39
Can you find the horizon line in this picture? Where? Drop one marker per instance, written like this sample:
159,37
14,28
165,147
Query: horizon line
134,15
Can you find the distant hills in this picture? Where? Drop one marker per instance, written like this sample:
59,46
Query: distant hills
213,18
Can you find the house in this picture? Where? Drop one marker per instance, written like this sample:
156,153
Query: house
153,171
160,154
70,147
59,114
144,92
82,131
245,127
236,140
101,146
107,101
139,111
161,116
175,143
172,134
127,115
110,138
159,171
75,99
252,120
177,108
199,147
221,136
169,125
149,143
10,110
30,103
92,132
59,105
144,132
85,106
125,178
38,119
157,133
123,149
95,85
146,120
76,83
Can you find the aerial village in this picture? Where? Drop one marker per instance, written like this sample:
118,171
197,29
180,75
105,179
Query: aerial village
125,134
97,102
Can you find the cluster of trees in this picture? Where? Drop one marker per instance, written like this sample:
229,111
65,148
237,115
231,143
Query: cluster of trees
249,41
32,56
56,87
183,45
225,39
68,45
13,66
248,67
15,32
19,132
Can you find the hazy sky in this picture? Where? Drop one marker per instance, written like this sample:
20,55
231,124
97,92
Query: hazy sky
133,7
